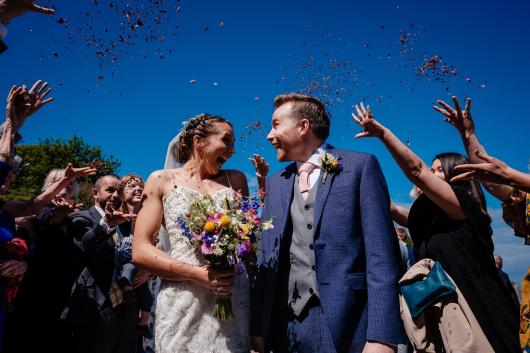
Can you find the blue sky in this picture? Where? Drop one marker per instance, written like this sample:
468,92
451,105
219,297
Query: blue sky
243,53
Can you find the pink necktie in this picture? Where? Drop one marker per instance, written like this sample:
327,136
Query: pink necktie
303,179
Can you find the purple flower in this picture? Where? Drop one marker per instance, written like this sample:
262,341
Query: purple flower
243,249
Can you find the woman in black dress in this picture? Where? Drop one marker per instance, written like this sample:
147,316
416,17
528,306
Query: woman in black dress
449,224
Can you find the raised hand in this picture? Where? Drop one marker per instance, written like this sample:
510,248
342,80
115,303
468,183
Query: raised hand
461,120
73,173
14,8
261,166
62,209
36,96
114,218
17,109
13,268
492,170
372,128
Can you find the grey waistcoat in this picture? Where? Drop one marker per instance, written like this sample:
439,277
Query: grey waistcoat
302,275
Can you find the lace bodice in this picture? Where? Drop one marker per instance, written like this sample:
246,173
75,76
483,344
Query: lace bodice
184,320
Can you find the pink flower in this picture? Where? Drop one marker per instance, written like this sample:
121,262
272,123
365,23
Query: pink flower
206,249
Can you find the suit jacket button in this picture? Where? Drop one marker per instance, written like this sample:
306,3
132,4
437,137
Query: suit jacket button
314,268
311,246
311,291
306,207
309,226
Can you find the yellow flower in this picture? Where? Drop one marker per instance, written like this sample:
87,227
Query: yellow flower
245,228
209,227
335,163
225,221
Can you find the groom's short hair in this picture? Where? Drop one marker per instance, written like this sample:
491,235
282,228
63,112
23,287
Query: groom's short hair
309,108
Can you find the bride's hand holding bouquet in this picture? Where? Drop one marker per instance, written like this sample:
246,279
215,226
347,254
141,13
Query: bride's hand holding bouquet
226,235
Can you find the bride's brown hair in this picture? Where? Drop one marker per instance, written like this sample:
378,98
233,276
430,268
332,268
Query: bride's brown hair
200,125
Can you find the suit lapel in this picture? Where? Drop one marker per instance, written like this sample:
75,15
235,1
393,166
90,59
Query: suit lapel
322,193
286,195
96,216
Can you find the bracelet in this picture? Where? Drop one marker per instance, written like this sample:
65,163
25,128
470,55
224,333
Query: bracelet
259,176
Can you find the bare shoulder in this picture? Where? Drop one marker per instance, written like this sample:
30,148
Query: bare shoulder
158,182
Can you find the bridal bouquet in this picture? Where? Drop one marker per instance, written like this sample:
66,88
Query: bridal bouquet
225,234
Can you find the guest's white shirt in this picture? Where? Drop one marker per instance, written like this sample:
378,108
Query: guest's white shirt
108,229
3,31
315,159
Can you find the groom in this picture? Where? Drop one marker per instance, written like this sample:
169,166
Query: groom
328,271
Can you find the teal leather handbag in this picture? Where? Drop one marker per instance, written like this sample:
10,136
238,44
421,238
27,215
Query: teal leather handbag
421,294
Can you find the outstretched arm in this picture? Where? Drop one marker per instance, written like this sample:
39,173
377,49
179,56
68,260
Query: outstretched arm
26,208
495,171
437,189
464,124
10,9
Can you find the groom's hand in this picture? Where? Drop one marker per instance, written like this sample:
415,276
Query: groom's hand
376,347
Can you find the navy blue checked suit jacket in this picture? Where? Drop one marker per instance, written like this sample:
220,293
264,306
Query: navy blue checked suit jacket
356,253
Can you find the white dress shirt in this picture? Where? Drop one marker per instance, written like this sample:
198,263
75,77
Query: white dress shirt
315,159
108,229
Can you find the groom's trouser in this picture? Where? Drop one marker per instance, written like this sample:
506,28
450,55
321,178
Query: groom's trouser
307,333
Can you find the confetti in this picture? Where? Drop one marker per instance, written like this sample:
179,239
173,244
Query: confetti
193,81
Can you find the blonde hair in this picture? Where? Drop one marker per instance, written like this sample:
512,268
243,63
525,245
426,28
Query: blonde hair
55,175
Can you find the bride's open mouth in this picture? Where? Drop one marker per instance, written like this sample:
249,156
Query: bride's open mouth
221,161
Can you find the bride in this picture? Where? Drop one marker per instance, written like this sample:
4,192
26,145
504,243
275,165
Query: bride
184,319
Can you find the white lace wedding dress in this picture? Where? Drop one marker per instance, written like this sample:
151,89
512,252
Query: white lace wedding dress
184,321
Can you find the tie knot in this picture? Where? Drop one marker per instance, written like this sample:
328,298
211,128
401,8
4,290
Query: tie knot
306,167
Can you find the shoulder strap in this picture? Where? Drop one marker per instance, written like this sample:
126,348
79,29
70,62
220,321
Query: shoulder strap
172,179
228,178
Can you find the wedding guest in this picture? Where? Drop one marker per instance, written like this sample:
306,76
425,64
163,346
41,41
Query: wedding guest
407,252
127,271
99,318
52,269
449,223
511,187
10,9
